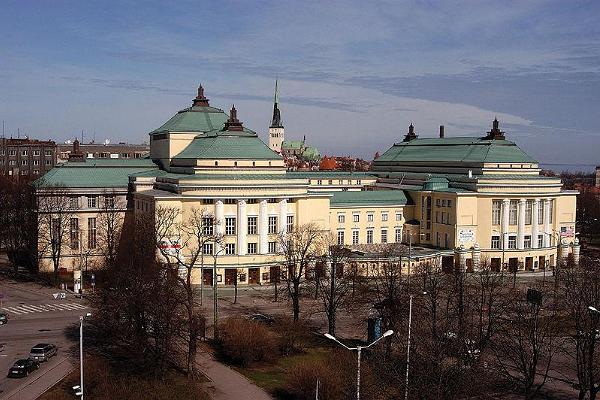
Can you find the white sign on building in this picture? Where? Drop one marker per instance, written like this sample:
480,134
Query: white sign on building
466,235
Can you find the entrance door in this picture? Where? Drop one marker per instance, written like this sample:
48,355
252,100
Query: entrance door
274,274
253,276
513,264
230,276
207,276
529,263
448,264
542,262
496,264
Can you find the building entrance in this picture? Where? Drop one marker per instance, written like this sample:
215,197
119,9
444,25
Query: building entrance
230,276
253,276
207,276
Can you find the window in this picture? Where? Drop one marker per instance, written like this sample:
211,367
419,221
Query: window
12,152
527,241
340,238
229,248
398,216
528,211
48,152
24,172
356,217
443,203
495,242
369,236
290,223
92,201
23,152
92,242
512,212
384,216
23,162
208,226
272,247
230,225
341,218
48,162
252,225
35,171
550,210
11,162
319,182
398,235
272,224
449,203
109,202
496,211
230,201
540,241
73,202
384,236
512,242
369,217
446,241
541,214
124,155
252,248
74,233
36,153
354,237
207,248
437,216
437,202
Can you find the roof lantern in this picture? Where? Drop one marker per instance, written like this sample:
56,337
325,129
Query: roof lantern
200,100
495,133
411,133
233,124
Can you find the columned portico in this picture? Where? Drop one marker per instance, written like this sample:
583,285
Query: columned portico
242,228
263,228
505,212
220,216
535,223
282,217
521,225
547,232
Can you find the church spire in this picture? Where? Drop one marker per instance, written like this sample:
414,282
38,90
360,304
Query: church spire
276,121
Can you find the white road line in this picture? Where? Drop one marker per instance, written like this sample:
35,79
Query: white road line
15,310
31,308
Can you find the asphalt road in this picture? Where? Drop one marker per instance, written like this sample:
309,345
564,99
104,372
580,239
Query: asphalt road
35,317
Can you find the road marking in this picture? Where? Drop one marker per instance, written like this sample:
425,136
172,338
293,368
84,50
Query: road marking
33,308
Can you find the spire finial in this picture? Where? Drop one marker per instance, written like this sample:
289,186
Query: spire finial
495,132
411,133
233,124
276,98
200,100
276,120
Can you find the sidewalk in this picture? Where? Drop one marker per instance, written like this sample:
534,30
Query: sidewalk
228,384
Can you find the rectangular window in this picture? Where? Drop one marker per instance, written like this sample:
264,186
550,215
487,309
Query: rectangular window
289,227
398,216
252,225
443,203
340,238
207,248
109,202
92,240
48,162
354,237
437,217
74,233
551,210
449,203
12,152
437,202
384,217
229,248
513,212
369,217
527,242
341,218
384,236
23,162
48,152
495,242
208,224
73,202
36,162
272,224
369,236
252,248
230,226
356,217
92,201
512,242
398,235
540,241
528,211
272,247
23,152
36,152
541,214
496,211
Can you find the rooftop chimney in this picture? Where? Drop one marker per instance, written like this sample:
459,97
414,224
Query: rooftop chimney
411,133
233,124
441,131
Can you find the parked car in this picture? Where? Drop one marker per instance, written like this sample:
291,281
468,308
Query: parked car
262,318
22,368
42,352
3,318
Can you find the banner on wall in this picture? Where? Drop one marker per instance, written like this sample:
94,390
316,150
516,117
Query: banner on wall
466,235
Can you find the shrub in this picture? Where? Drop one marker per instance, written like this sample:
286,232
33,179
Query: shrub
244,342
302,380
292,334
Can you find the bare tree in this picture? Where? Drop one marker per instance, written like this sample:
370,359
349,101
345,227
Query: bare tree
300,249
110,225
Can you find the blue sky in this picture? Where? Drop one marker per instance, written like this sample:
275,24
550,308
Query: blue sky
353,74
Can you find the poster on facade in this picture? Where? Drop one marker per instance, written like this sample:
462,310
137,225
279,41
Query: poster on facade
466,235
567,231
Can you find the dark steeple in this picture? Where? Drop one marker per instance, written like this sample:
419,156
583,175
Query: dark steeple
495,133
411,133
276,122
76,154
233,124
200,100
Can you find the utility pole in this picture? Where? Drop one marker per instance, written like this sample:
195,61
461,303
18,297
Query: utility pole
410,301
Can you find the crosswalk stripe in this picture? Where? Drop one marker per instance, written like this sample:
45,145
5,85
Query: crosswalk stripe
32,308
35,309
14,310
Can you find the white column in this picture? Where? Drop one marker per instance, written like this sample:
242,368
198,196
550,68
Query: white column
547,231
505,211
521,225
282,228
263,228
534,223
220,222
242,226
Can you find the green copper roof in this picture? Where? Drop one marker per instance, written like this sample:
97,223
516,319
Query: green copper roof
221,144
194,119
373,198
94,173
474,150
311,153
292,144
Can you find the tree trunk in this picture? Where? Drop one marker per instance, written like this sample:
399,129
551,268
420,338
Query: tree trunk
296,301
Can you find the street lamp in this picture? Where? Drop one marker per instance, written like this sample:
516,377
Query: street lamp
410,302
358,350
80,387
593,309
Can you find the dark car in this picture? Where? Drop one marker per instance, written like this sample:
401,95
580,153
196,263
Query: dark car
42,352
3,318
22,368
262,318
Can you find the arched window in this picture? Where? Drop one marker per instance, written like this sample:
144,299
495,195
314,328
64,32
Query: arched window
216,163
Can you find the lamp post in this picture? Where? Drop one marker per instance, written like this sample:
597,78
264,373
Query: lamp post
358,351
502,244
80,387
593,309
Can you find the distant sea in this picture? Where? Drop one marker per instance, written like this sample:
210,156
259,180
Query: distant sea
587,168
